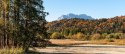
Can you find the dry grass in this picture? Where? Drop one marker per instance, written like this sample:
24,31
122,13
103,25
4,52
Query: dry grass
74,42
108,42
66,41
12,51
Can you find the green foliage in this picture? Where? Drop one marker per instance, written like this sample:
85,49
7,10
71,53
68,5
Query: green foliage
22,23
56,35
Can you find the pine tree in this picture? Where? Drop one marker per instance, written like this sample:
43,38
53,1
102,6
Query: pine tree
24,23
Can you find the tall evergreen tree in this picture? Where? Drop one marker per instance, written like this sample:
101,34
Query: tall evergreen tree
24,23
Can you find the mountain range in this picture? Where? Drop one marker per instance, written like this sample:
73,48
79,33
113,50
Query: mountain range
72,15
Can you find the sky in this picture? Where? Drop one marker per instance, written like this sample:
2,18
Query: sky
95,8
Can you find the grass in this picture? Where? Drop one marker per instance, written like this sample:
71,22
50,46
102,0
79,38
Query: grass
16,51
66,42
108,42
12,51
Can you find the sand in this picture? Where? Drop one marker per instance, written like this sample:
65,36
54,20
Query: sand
82,48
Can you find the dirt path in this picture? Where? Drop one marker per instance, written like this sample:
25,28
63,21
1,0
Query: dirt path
92,49
82,48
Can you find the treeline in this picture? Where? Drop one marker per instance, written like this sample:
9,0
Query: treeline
22,23
71,27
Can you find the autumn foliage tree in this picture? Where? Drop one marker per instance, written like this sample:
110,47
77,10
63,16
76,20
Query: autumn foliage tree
88,27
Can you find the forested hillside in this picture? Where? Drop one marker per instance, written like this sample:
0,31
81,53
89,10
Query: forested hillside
69,27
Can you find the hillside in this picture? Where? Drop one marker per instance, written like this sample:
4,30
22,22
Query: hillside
75,25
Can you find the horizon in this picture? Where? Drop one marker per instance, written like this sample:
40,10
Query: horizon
94,8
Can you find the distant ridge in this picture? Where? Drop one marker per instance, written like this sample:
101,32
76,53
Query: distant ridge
71,15
105,25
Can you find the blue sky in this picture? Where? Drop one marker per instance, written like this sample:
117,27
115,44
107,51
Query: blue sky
94,8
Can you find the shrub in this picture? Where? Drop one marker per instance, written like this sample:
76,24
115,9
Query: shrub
69,36
110,40
115,36
96,37
56,35
79,36
104,35
109,36
119,35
